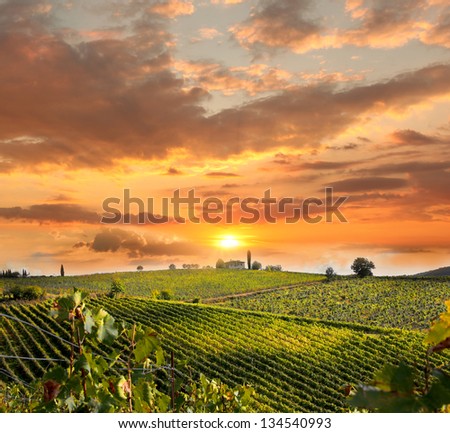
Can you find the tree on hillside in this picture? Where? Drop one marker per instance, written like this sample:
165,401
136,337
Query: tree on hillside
172,267
362,267
220,264
62,270
140,268
249,259
117,288
256,266
329,273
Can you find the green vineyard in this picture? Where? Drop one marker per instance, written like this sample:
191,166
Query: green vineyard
184,284
295,365
390,302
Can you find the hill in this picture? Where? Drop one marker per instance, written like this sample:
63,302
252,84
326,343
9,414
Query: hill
410,303
183,284
295,365
440,272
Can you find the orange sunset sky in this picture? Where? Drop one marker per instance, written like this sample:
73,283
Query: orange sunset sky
229,98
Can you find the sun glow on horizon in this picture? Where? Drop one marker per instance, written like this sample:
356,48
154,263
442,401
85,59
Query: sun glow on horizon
229,241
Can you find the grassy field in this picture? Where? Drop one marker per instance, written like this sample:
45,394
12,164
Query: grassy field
182,284
295,365
391,302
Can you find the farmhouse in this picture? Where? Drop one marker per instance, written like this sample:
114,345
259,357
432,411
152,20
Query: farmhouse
235,264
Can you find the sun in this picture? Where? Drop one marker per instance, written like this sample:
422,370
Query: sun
229,241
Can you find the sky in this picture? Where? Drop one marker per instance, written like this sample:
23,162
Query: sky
229,99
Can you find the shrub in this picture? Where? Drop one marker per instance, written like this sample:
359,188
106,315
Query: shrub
274,268
165,295
256,266
26,293
117,287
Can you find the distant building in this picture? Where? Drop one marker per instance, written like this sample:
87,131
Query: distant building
235,264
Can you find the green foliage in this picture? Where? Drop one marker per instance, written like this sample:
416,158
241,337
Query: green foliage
190,266
165,295
397,388
91,383
24,293
220,264
439,333
330,274
256,266
389,302
273,268
117,288
214,396
294,364
119,381
185,284
362,267
9,274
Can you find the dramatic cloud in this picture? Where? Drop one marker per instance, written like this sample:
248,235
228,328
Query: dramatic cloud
433,183
280,24
174,172
290,24
230,98
304,116
368,184
409,137
70,213
386,24
136,245
108,100
254,79
61,213
409,167
383,23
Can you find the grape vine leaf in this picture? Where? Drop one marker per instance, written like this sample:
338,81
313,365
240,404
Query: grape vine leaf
107,332
440,330
146,345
